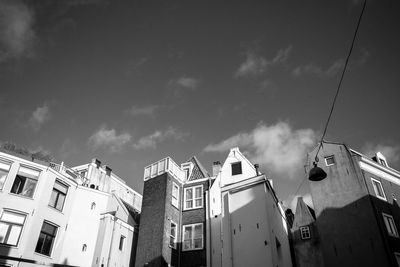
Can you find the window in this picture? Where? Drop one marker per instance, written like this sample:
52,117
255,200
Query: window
25,182
172,235
11,224
58,195
330,160
46,239
378,189
84,247
121,242
175,195
390,225
305,232
194,197
236,168
382,162
193,236
4,169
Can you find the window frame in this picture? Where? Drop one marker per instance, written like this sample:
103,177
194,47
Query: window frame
193,197
58,193
175,238
305,232
20,192
11,224
192,239
387,218
232,168
328,158
53,240
6,172
175,199
122,240
377,182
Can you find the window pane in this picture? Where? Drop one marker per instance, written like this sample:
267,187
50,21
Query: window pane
198,231
13,217
61,187
49,229
186,244
18,184
60,202
188,233
26,172
40,243
53,198
198,192
236,168
48,244
173,229
198,203
189,194
3,231
29,187
198,243
3,175
14,235
189,204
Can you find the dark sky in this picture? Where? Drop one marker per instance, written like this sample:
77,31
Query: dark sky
131,82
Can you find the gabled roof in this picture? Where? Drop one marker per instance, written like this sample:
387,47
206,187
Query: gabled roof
304,214
198,171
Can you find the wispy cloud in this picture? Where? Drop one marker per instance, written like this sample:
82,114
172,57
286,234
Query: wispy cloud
143,110
39,117
109,139
256,64
278,147
182,84
17,36
391,152
333,69
151,140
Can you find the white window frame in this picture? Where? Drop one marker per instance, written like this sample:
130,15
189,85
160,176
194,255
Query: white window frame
172,236
193,226
25,190
122,240
58,192
11,225
5,166
390,225
305,232
330,157
378,183
175,199
241,168
194,197
54,238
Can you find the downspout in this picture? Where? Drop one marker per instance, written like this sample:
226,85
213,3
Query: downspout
208,229
180,226
209,220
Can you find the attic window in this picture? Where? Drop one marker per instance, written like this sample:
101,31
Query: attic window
330,160
383,162
236,168
305,232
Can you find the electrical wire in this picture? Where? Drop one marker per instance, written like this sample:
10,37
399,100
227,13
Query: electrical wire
341,80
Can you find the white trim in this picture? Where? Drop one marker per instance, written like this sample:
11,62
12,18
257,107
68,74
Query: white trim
197,180
386,221
305,232
193,225
175,237
377,170
376,193
194,197
328,157
175,185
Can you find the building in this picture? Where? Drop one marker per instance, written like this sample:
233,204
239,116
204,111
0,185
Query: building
232,218
174,214
50,214
356,207
248,223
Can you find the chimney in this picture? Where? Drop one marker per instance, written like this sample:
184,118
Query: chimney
216,168
257,167
96,162
108,170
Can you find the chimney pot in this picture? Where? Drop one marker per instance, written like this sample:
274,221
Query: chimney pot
216,168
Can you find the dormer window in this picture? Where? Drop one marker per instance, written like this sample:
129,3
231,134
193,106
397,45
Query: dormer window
187,168
381,159
236,168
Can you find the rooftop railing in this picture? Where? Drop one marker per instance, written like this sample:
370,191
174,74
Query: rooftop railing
163,166
63,169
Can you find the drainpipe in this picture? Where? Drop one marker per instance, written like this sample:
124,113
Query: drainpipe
112,237
180,225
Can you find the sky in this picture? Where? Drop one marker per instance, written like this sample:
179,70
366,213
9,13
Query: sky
131,82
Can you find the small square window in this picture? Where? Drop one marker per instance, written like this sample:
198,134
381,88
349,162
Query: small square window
236,168
305,232
330,160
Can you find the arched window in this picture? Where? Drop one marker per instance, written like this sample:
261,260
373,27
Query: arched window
93,206
84,247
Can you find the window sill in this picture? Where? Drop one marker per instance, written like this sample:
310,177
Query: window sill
192,249
381,198
42,255
9,246
185,209
22,196
60,211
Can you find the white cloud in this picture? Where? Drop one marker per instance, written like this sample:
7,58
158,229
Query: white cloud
39,117
16,30
278,147
291,201
143,110
187,82
391,153
151,140
109,139
256,64
336,67
179,86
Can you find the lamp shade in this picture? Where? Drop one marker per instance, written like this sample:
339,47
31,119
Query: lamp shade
316,174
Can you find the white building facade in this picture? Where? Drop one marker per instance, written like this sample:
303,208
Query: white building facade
50,215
